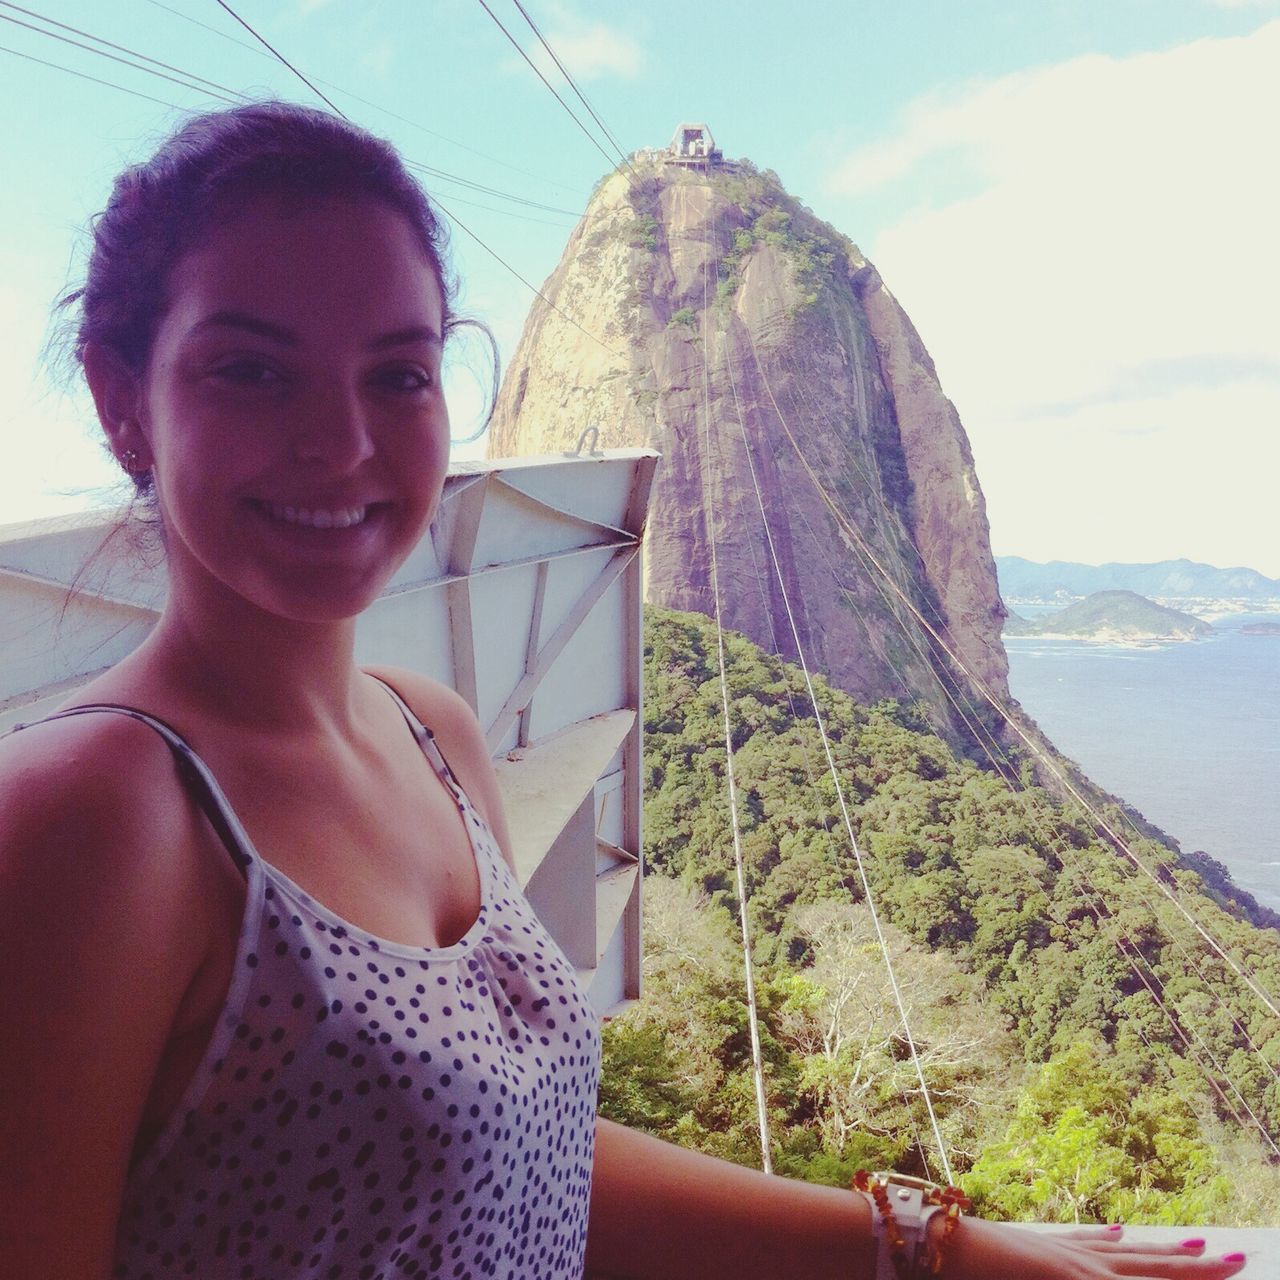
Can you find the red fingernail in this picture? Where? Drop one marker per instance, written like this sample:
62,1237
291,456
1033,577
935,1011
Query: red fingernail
1115,1226
1192,1244
1233,1257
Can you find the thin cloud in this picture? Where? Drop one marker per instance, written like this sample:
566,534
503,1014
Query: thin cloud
597,50
1070,232
379,59
1189,473
590,50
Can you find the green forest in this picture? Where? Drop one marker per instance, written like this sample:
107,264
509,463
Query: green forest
1089,1055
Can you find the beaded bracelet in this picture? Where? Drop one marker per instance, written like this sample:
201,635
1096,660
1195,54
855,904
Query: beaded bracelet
917,1261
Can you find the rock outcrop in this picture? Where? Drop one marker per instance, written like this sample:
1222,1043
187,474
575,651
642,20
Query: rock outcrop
707,314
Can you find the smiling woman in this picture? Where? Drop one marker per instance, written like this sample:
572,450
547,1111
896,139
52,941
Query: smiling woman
274,1001
166,223
291,409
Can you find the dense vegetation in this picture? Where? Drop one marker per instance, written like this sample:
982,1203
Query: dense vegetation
1089,1056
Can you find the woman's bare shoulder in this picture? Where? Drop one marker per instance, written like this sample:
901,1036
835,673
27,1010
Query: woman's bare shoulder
425,695
104,911
445,712
94,802
85,775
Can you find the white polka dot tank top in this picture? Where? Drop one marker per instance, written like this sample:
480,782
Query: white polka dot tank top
367,1110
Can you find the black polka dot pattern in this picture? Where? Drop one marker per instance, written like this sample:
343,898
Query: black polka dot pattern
368,1110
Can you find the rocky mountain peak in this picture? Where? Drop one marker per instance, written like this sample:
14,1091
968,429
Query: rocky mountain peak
758,350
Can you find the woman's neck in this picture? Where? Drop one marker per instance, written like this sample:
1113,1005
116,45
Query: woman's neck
229,661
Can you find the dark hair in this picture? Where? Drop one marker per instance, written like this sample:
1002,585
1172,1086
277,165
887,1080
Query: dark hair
160,209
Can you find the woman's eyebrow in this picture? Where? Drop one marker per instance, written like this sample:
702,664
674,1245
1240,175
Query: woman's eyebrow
290,337
403,337
251,324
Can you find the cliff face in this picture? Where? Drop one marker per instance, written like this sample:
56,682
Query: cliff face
762,355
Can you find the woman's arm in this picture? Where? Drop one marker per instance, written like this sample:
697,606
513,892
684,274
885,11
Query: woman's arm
100,922
659,1212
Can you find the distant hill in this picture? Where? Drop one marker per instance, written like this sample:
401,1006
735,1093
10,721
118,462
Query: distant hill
1166,580
1114,616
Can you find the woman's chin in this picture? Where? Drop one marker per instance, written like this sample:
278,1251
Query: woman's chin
318,602
314,596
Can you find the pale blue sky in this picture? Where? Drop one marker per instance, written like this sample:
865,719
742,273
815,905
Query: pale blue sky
1074,201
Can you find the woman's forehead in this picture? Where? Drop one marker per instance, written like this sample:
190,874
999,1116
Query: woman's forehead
300,263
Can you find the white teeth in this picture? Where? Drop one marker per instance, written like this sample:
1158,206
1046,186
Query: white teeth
342,518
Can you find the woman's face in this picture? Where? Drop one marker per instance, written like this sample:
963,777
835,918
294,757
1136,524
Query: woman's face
292,406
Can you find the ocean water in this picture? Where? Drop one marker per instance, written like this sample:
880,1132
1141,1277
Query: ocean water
1189,734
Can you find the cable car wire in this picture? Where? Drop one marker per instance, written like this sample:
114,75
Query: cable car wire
433,172
110,44
355,97
753,1015
102,53
277,54
224,93
604,128
80,75
572,114
453,217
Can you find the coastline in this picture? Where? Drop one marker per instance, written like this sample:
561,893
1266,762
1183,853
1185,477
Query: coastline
1185,733
1109,639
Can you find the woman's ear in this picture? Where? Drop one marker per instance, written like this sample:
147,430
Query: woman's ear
117,394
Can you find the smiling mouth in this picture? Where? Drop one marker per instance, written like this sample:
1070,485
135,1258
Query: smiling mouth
317,517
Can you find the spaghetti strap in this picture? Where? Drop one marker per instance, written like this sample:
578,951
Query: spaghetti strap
193,772
209,795
427,741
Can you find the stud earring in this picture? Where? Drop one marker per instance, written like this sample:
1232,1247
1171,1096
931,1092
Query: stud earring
129,460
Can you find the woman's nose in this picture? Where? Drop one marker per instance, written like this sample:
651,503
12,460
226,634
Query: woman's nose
334,428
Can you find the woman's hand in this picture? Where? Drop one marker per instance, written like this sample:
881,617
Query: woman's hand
986,1250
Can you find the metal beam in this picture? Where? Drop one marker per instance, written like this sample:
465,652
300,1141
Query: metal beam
464,532
411,588
531,650
462,642
562,516
71,592
528,683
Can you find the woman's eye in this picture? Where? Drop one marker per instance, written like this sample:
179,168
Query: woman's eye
248,373
408,378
